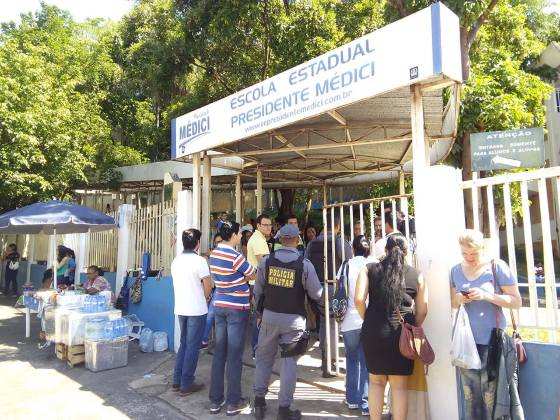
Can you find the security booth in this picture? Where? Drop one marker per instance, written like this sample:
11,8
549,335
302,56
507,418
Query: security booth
379,107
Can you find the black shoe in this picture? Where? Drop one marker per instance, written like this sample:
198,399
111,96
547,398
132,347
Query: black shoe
215,408
259,408
191,389
285,413
235,409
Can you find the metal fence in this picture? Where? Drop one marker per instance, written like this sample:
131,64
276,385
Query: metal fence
153,231
103,247
527,240
360,214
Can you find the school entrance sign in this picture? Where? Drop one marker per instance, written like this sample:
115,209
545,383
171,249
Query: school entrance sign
523,148
419,48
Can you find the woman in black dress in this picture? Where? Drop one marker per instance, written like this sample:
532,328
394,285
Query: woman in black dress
392,286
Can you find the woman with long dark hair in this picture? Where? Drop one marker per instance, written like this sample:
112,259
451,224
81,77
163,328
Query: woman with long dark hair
394,289
11,257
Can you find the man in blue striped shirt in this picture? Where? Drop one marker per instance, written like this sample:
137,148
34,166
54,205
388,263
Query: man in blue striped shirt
231,273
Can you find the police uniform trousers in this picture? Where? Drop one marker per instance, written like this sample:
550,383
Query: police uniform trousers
270,337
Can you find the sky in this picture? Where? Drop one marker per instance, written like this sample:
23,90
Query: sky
109,9
80,9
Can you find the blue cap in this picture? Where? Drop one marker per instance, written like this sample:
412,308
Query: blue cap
288,231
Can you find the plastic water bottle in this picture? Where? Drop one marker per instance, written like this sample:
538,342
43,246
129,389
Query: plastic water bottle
109,330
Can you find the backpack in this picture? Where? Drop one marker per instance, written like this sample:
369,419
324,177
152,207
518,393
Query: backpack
124,295
339,301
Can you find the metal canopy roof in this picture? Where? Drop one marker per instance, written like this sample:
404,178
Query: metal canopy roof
371,136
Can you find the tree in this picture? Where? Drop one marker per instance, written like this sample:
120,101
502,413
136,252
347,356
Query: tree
53,136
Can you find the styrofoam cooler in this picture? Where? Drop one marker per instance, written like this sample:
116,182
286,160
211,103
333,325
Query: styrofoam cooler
106,354
77,324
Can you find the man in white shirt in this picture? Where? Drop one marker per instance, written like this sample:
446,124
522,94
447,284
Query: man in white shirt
192,286
379,247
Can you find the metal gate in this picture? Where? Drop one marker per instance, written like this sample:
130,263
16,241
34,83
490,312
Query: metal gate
362,213
529,237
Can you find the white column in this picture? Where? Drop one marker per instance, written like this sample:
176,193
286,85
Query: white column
184,221
206,203
238,200
259,192
124,244
30,258
437,251
196,190
402,190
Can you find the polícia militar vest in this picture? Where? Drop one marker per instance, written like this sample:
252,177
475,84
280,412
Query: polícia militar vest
283,291
317,257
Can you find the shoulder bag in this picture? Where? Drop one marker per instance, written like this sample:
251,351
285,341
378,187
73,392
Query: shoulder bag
518,341
413,343
339,301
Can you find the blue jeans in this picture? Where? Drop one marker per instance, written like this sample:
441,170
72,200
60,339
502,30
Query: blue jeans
192,328
209,322
478,392
230,327
356,371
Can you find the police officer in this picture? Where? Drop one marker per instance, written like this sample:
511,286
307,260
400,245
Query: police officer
283,279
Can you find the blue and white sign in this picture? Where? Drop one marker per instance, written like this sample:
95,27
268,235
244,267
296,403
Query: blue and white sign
417,48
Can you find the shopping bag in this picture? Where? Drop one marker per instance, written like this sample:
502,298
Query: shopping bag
418,404
463,347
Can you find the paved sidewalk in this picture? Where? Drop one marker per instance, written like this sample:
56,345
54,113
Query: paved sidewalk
35,384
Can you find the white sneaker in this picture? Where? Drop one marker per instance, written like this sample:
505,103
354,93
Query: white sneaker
352,406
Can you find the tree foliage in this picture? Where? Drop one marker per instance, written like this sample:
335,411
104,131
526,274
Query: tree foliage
53,135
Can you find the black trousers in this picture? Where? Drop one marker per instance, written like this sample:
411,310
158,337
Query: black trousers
10,277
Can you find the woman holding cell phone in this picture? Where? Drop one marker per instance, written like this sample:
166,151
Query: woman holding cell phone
472,285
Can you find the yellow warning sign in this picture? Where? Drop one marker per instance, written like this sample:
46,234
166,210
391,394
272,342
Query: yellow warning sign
282,277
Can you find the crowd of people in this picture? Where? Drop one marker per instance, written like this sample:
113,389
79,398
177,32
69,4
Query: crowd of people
266,280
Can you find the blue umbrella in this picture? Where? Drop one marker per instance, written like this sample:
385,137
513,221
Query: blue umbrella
54,217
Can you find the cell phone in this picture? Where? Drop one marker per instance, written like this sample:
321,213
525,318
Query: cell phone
464,291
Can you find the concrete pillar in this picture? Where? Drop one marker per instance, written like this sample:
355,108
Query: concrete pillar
196,190
437,251
238,200
30,258
185,214
402,190
125,244
206,203
259,192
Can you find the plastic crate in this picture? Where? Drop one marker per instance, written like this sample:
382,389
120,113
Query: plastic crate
106,354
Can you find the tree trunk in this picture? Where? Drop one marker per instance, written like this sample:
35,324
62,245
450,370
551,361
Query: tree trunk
308,203
276,200
288,196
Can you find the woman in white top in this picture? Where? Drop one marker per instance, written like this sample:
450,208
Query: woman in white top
356,371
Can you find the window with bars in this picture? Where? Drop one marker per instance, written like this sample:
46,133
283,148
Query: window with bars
557,100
